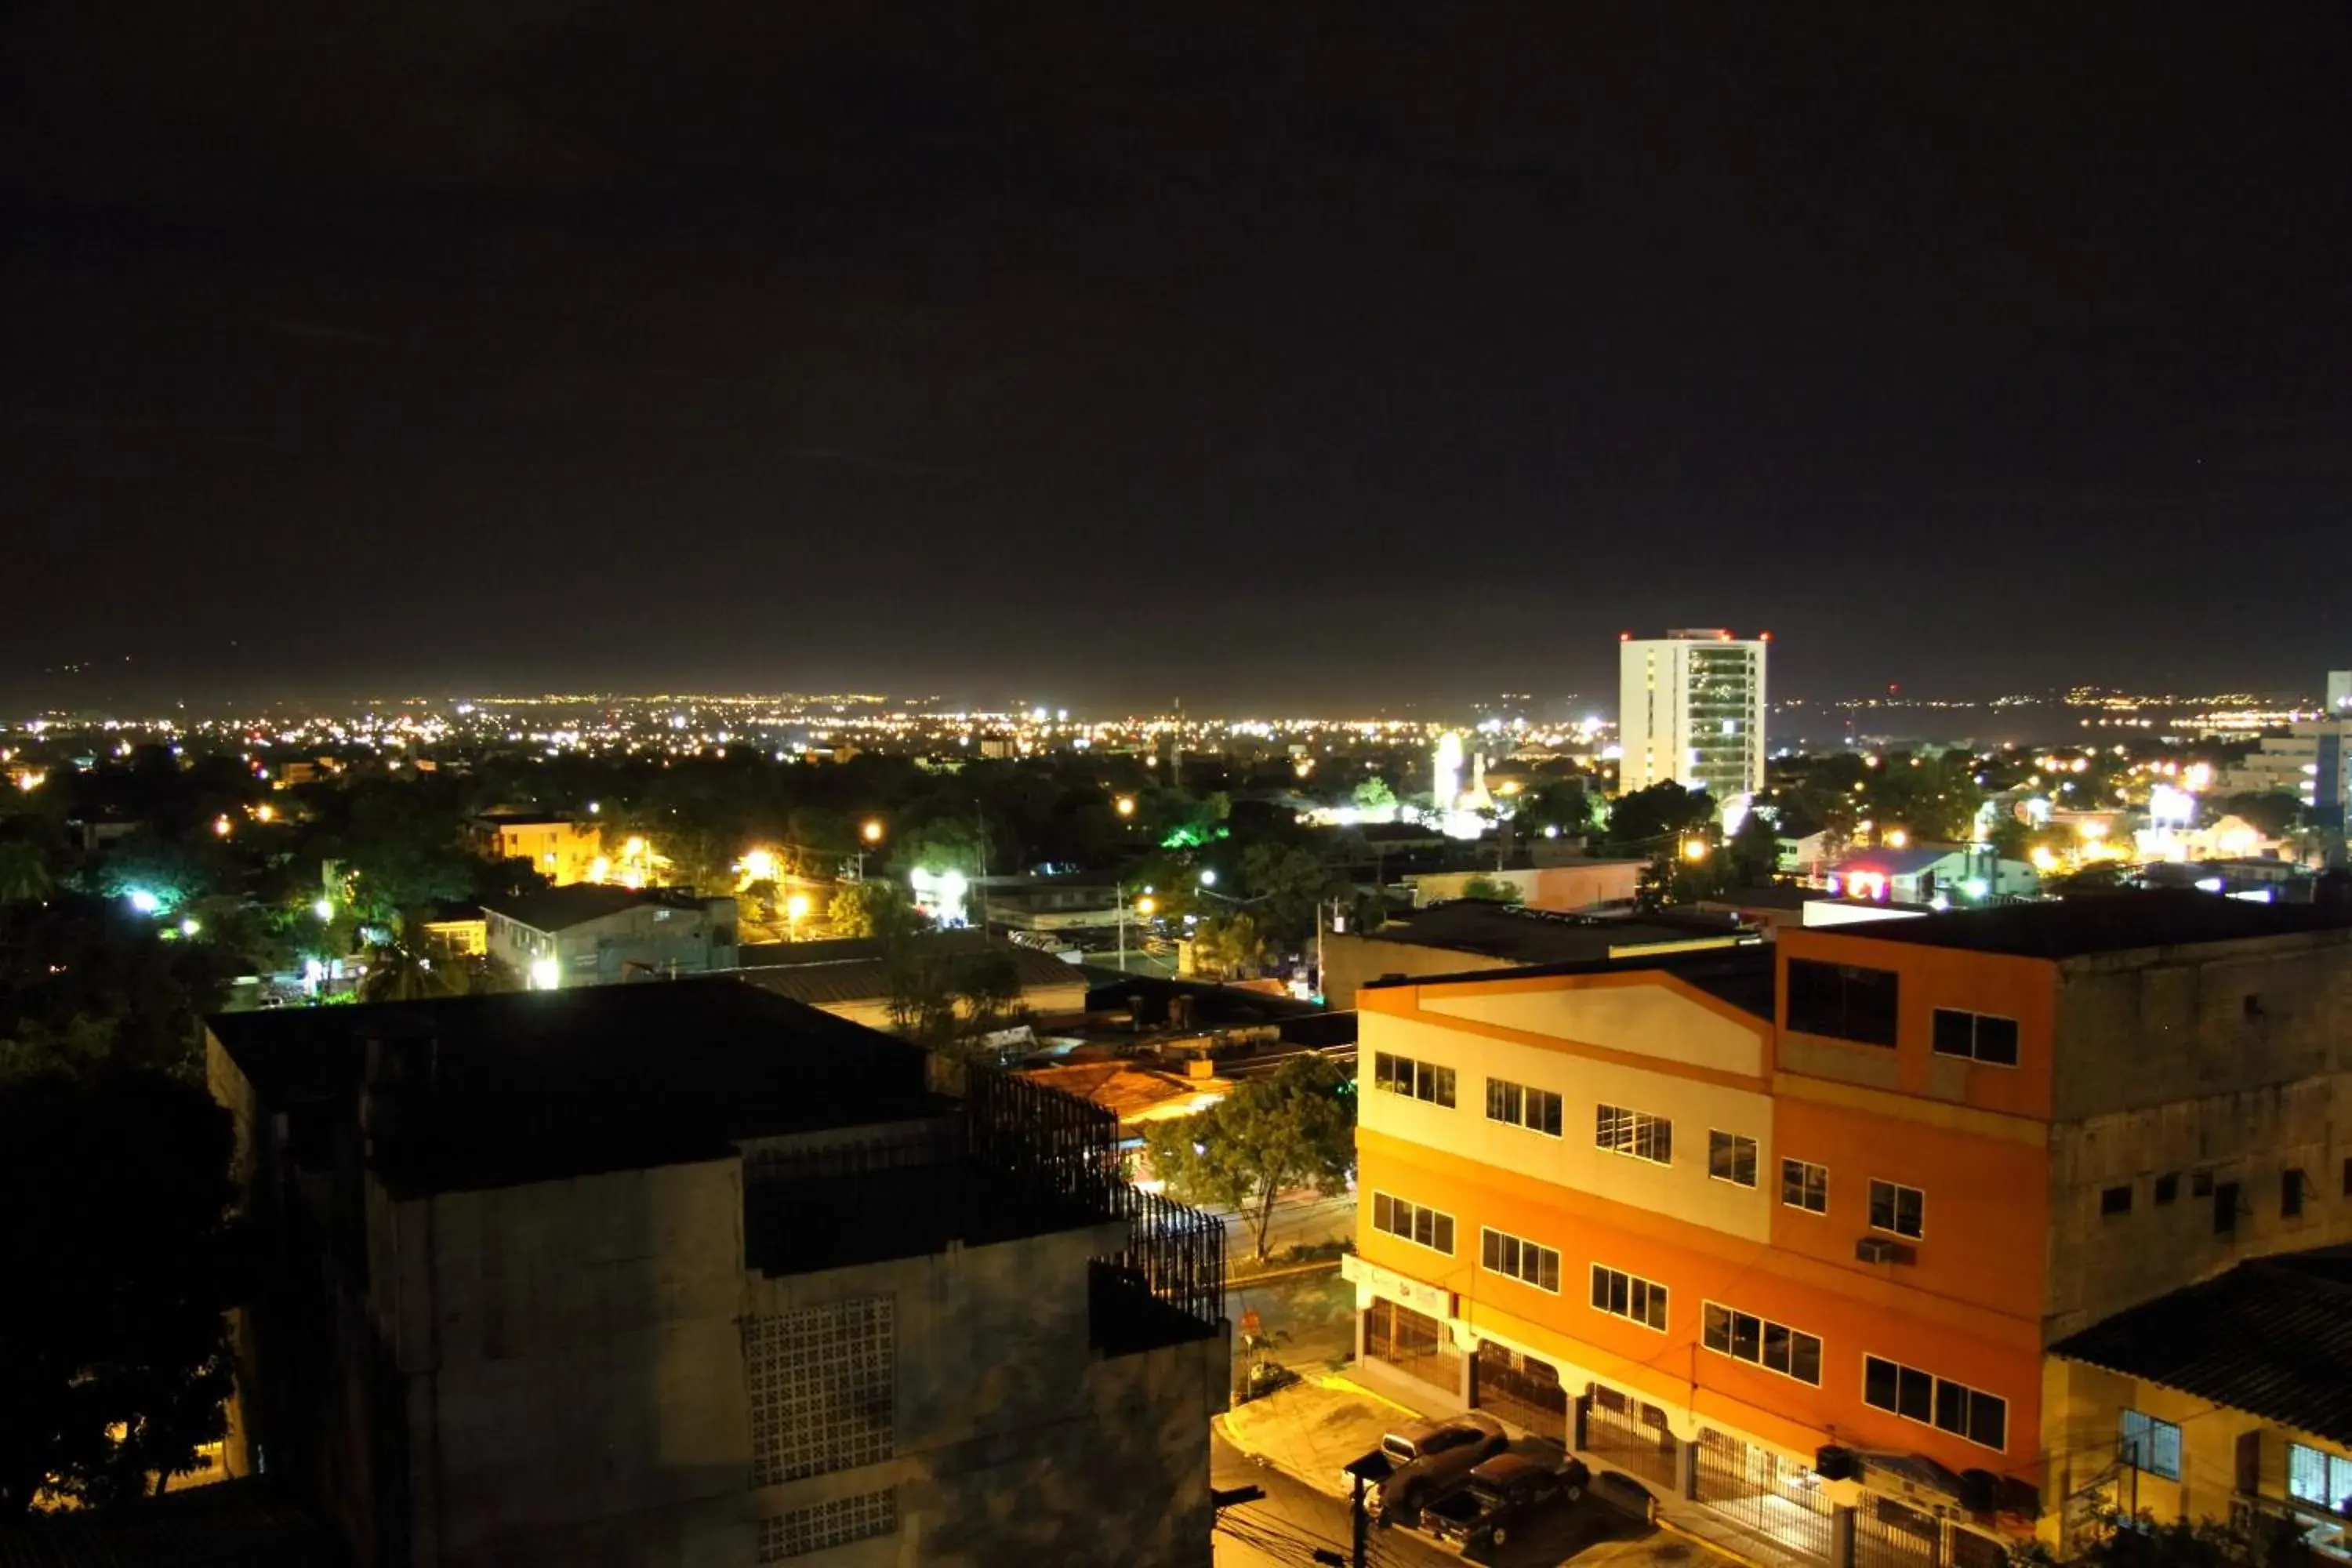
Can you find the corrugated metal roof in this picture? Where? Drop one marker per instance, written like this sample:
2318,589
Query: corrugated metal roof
2273,1337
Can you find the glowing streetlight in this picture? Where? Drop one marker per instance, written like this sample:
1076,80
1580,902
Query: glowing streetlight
191,926
324,909
265,811
872,830
1145,906
1695,849
1125,805
145,902
796,909
1208,876
1896,839
220,826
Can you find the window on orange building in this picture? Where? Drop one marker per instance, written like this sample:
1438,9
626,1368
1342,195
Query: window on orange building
1624,1295
1980,1037
1805,1185
1844,1001
1776,1347
1932,1401
1897,1209
1412,1222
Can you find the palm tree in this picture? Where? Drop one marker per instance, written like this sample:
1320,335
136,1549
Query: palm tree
24,873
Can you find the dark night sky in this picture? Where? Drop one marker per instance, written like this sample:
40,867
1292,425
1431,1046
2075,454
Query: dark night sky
1273,354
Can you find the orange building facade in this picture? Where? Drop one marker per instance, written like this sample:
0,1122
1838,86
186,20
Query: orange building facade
1790,1230
1723,1250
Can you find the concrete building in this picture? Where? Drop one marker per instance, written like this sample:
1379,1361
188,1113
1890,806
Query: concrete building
1690,709
2222,1400
1077,902
593,935
1566,887
1473,934
1790,1230
854,979
689,1274
560,850
2339,693
2310,761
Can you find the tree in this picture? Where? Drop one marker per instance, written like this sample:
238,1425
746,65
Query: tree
1374,795
1231,944
1288,882
1294,1128
990,984
942,844
1494,890
1561,804
2272,815
118,1364
1754,851
872,909
24,872
1650,820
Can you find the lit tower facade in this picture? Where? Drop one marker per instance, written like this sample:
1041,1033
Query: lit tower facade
1691,708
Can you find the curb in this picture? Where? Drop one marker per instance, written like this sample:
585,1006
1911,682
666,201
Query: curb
1340,1383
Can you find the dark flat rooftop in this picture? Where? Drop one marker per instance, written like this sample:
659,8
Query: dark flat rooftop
857,969
559,909
1744,976
535,1086
1539,936
2273,1337
2109,922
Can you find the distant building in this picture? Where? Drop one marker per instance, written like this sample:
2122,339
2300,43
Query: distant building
1923,873
2311,762
2339,693
588,935
1081,901
856,979
1690,710
558,848
1566,887
1471,936
688,1274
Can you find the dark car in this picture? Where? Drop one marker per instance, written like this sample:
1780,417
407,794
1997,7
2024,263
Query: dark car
1496,1496
1423,1460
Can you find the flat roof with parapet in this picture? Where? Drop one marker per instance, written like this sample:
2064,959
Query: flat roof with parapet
2106,922
541,1085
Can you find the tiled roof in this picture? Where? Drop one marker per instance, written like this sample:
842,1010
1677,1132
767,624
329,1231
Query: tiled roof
2273,1337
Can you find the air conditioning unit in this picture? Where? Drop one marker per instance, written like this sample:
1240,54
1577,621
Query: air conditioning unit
1875,1249
1978,1489
1833,1463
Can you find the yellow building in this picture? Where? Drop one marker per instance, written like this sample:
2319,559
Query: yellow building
2226,1400
561,850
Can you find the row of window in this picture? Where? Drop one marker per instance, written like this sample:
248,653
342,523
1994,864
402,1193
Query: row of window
1853,1002
1415,1079
2294,1188
1416,1223
1777,1347
1937,1401
1523,1105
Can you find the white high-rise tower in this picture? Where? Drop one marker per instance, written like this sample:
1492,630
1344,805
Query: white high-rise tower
1691,708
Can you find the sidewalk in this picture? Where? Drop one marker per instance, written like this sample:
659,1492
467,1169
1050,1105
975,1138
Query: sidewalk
1310,1429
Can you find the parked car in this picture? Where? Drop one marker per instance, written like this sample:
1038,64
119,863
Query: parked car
1496,1496
1417,1462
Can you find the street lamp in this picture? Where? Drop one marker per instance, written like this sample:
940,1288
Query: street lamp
795,907
872,831
1125,805
1208,876
324,909
1695,849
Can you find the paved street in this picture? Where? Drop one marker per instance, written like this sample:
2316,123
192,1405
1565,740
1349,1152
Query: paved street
1312,1316
1291,1522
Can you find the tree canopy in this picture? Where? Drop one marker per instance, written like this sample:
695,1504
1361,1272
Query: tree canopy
1294,1128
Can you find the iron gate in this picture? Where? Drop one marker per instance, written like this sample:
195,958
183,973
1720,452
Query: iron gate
1887,1534
1755,1487
1631,1435
1971,1550
1521,1389
1413,1343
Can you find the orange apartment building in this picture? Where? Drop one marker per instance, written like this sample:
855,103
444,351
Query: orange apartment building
561,850
1790,1230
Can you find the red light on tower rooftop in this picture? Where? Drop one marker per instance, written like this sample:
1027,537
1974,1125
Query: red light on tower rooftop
1624,637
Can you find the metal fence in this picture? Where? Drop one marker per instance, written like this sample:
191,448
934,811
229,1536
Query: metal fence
1887,1534
1521,1389
1630,1435
1756,1488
